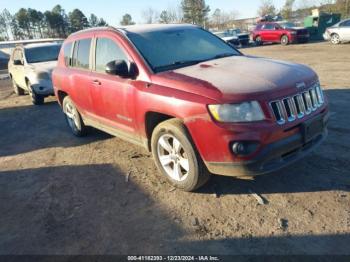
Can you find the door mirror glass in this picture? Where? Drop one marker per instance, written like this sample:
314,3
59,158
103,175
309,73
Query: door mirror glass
120,68
17,62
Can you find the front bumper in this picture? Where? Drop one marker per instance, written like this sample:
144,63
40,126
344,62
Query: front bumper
273,157
43,87
326,36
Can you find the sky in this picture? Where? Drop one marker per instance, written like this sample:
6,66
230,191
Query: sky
113,10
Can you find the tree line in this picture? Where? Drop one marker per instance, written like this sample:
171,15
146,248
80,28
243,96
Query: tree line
188,11
32,24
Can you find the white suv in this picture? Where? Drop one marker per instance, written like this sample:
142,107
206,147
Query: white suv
30,69
339,32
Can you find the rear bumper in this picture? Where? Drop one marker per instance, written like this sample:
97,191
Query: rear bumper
273,157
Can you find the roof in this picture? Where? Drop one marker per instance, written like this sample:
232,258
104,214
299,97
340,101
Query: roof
137,28
155,27
40,45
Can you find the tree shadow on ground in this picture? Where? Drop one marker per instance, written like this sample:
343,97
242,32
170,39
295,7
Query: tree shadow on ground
91,210
29,128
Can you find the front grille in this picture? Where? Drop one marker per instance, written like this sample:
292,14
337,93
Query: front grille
289,109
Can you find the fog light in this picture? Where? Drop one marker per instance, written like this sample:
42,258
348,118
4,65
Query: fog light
244,148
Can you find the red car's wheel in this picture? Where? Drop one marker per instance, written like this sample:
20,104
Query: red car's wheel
284,40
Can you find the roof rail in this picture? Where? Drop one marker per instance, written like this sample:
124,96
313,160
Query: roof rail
106,28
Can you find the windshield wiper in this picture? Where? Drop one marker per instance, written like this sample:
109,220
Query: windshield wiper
223,55
190,62
179,63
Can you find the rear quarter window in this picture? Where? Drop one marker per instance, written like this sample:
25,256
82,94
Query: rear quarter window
67,53
81,54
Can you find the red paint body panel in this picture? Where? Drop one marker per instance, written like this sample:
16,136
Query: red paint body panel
124,103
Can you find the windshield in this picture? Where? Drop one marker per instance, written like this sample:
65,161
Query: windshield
42,53
287,25
235,31
175,48
222,34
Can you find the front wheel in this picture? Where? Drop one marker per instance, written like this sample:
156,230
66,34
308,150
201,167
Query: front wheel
284,40
176,157
36,99
258,41
335,39
18,91
74,119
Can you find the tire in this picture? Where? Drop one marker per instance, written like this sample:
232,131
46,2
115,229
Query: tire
335,39
181,165
18,91
258,41
36,99
284,40
73,118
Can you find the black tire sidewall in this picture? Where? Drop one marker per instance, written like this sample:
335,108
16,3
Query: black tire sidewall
258,41
36,99
18,91
192,181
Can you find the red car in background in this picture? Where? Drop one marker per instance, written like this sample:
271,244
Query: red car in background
279,32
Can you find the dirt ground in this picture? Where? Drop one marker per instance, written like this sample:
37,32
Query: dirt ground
65,195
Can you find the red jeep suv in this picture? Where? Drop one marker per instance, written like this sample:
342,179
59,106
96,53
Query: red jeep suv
279,32
194,101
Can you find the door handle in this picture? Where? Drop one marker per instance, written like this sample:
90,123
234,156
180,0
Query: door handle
96,82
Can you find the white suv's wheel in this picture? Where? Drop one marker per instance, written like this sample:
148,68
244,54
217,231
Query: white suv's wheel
335,39
176,157
18,91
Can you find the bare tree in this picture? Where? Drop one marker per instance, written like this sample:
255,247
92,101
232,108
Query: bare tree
221,19
150,15
267,8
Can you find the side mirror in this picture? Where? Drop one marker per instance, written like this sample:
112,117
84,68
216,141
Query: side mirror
17,62
120,68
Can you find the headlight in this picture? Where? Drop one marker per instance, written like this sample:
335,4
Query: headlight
44,76
243,112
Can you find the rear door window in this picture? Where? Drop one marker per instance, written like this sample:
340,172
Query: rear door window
67,52
107,51
81,54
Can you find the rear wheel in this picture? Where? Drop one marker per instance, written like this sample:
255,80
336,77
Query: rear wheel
176,157
74,119
284,40
335,39
18,91
36,99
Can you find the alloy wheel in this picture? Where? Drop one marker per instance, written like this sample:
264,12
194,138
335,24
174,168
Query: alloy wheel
335,39
72,116
173,157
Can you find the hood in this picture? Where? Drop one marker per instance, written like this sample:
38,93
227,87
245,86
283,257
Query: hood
241,75
44,66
